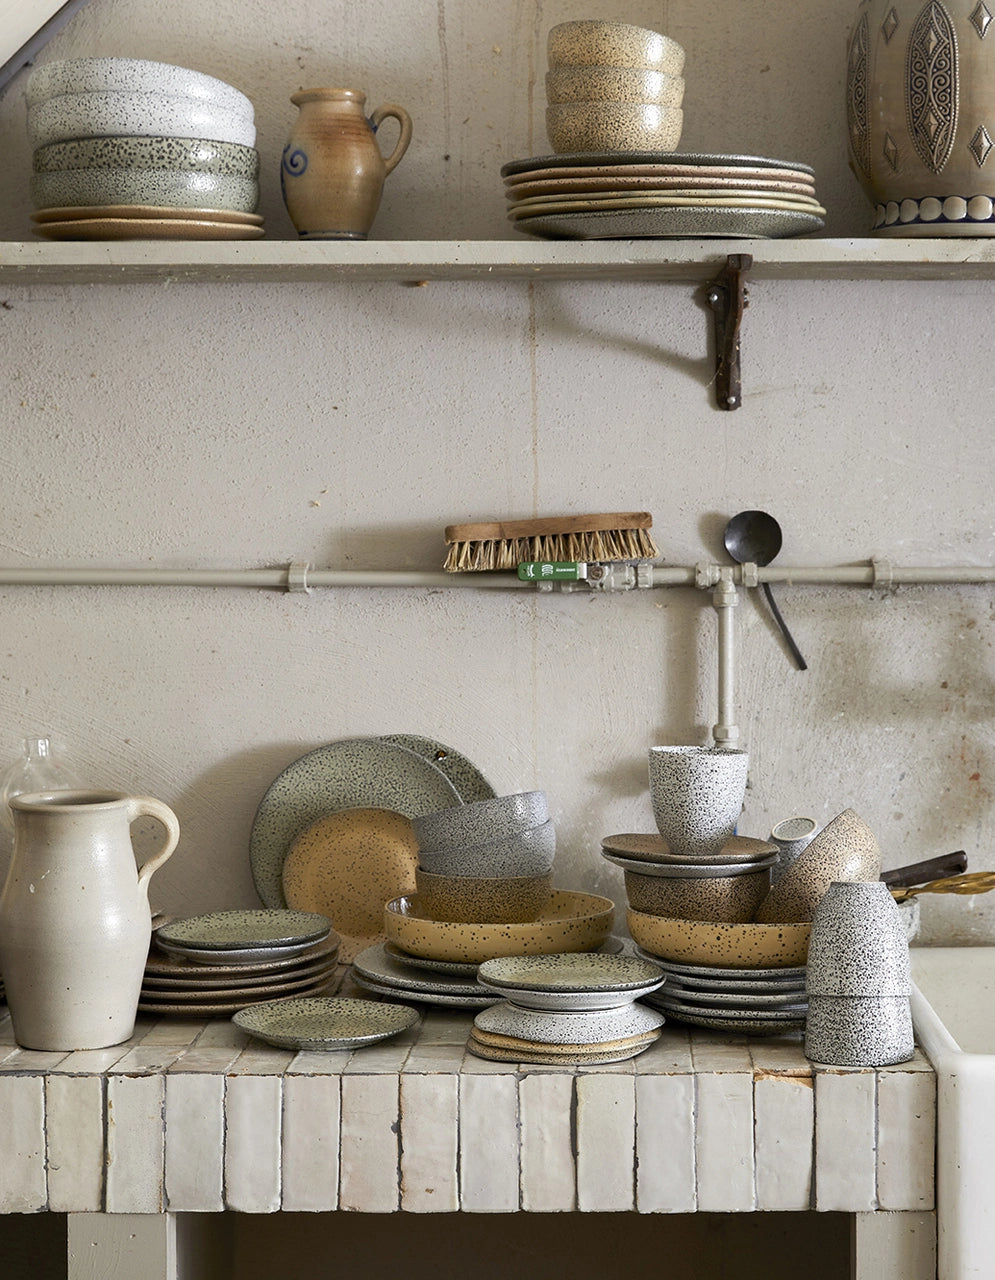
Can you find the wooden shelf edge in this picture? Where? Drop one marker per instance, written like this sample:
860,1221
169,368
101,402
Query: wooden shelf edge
412,261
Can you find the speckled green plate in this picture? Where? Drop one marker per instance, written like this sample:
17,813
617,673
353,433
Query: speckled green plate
353,773
325,1023
375,964
469,782
696,222
234,930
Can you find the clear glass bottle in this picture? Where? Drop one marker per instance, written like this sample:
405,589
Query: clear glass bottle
38,769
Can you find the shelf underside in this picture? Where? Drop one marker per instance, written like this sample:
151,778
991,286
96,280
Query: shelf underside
413,261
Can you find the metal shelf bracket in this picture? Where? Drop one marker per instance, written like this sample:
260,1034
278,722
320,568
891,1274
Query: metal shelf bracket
727,296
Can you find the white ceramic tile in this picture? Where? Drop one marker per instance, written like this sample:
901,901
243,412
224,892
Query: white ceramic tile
670,1054
906,1140
385,1058
845,1146
37,1060
444,1026
369,1145
606,1142
446,1058
549,1181
253,1116
488,1138
195,1142
175,1032
311,1130
223,1033
319,1062
74,1130
784,1133
22,1144
135,1143
724,1140
665,1178
429,1142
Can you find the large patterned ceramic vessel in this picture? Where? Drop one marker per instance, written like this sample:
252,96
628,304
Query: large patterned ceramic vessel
921,114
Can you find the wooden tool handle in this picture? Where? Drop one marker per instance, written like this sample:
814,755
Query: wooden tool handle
507,530
947,864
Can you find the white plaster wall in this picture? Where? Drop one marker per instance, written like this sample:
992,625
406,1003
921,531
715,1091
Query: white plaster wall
195,425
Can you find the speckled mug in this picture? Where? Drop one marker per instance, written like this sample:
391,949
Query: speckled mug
697,795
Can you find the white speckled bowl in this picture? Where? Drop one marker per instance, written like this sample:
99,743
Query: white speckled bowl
715,897
198,155
130,75
595,42
486,899
845,849
528,853
157,187
613,84
613,126
482,820
708,942
90,115
571,922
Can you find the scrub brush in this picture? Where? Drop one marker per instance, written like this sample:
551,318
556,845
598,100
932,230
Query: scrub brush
505,544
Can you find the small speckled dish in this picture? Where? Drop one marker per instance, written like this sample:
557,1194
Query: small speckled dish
573,982
598,42
733,898
487,899
550,1058
845,849
640,847
482,821
707,942
332,1023
234,930
572,921
521,853
613,126
572,1027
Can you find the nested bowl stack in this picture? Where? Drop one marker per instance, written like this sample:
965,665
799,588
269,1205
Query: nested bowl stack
130,149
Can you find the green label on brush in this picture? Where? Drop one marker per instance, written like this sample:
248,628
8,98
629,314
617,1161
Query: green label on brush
549,571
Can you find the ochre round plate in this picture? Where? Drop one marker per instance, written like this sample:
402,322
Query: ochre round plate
74,213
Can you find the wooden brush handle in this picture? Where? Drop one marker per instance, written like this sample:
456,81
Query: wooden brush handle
507,530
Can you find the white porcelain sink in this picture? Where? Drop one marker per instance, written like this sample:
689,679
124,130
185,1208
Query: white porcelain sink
953,1008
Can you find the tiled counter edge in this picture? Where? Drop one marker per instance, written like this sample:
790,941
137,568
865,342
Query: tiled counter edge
197,1117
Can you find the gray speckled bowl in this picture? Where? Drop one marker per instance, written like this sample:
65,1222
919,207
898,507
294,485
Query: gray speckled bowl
731,898
487,899
491,818
90,115
613,126
845,849
613,84
595,42
128,75
198,155
530,853
157,187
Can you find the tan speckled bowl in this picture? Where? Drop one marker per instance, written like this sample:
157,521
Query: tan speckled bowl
613,84
731,898
845,849
730,946
613,126
594,42
571,922
487,900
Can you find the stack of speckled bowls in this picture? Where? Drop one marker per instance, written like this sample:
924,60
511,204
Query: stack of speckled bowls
129,149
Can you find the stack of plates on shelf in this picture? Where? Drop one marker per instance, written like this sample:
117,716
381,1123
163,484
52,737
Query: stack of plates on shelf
747,1001
216,963
665,195
387,971
570,1008
333,832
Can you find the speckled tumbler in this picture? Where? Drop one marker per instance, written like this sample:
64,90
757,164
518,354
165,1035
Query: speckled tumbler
697,795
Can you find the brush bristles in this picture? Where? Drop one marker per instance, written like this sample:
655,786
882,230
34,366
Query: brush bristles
509,553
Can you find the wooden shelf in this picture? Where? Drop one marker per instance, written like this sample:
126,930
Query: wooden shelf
411,261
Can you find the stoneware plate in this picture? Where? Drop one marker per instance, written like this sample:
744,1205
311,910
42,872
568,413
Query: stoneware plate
353,773
211,956
172,966
753,1026
72,213
571,922
217,1005
469,782
578,204
147,229
341,1023
540,1058
653,848
211,978
610,947
689,870
704,941
562,1050
346,865
572,972
576,1028
233,930
716,975
275,987
757,1001
427,997
377,966
663,224
706,185
623,160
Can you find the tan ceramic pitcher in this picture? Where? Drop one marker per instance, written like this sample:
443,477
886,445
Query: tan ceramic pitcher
332,172
75,923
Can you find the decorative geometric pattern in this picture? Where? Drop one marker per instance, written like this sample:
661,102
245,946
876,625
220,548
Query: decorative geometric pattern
931,74
889,26
938,211
890,148
980,145
856,97
981,18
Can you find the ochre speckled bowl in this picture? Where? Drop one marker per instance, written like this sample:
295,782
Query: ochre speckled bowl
613,84
845,849
613,126
730,898
595,42
572,921
487,900
730,946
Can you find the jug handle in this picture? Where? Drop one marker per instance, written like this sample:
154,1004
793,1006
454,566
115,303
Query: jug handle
386,112
145,806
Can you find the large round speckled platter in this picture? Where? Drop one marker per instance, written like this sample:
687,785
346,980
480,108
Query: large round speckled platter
220,1003
515,1043
671,224
469,782
754,1024
354,773
742,946
231,930
427,997
202,977
342,1023
246,994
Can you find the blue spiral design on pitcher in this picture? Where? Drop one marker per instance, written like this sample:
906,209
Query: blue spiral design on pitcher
294,161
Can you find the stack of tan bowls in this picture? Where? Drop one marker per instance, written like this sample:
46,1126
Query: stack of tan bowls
613,87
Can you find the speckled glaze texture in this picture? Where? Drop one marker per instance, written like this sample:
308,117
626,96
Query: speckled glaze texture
654,849
88,115
571,922
561,1051
316,1023
581,972
594,42
697,795
613,84
529,853
792,837
613,126
859,1031
550,1058
845,849
859,945
485,899
708,942
377,965
689,870
198,155
716,897
229,929
152,187
131,75
487,819
542,1027
464,775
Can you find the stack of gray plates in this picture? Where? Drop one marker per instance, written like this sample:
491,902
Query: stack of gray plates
746,1001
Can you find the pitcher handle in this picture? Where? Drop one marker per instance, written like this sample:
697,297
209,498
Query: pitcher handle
386,112
145,806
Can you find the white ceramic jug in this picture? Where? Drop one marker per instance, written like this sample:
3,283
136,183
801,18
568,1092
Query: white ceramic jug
75,923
